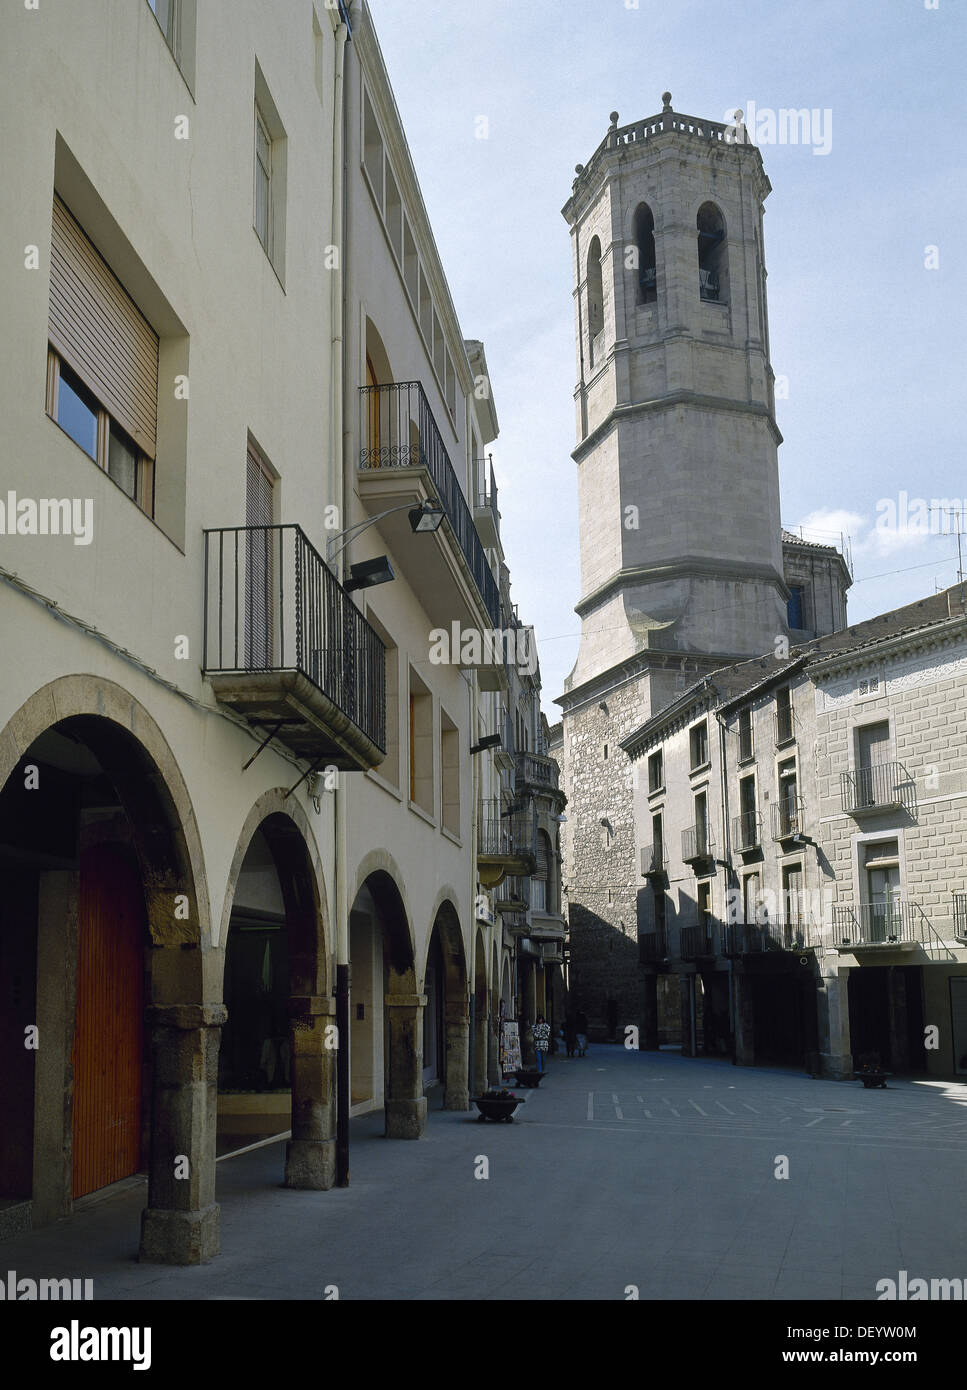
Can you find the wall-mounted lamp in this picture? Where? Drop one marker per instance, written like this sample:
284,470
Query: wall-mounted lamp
365,573
490,741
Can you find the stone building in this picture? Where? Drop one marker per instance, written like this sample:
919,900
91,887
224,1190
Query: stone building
683,559
241,786
802,827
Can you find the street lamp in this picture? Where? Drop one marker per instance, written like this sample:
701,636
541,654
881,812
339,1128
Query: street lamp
426,517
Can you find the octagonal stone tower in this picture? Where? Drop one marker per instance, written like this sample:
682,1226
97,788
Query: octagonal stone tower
678,482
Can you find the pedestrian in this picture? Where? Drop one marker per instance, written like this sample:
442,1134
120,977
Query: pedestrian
542,1040
570,1033
581,1023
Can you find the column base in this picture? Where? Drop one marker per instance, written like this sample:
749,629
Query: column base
310,1164
405,1119
180,1237
457,1099
836,1066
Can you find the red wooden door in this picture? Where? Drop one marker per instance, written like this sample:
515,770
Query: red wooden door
108,1032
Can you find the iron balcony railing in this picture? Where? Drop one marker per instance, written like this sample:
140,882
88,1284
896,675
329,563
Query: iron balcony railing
653,945
960,914
784,720
513,894
880,787
754,938
696,942
652,859
788,817
486,493
879,924
400,432
747,830
272,605
507,832
537,770
697,843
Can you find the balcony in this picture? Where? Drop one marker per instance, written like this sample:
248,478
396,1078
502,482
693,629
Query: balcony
485,513
513,895
403,462
697,943
960,916
653,862
882,787
788,818
286,647
747,831
896,925
507,841
536,772
757,938
653,947
698,847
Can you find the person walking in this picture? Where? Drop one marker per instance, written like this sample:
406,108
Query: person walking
581,1023
542,1040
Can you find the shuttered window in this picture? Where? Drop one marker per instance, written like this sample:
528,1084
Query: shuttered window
258,569
98,330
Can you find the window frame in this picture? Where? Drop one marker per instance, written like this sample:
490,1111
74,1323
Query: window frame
143,497
698,733
268,245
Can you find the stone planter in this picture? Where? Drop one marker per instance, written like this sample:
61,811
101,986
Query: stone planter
497,1107
530,1077
872,1079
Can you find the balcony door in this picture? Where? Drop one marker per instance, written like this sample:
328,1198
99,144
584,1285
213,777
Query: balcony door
873,748
258,563
884,899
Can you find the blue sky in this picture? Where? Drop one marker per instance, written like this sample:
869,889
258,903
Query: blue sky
871,341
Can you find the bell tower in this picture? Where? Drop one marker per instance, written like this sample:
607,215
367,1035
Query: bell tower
677,441
678,486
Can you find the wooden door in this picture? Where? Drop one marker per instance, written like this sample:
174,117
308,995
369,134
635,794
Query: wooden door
108,1030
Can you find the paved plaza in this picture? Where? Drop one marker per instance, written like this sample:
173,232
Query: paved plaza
624,1168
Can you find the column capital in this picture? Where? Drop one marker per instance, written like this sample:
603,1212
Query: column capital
186,1017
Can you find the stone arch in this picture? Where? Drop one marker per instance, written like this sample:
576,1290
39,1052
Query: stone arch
646,273
283,826
712,245
446,934
380,866
91,731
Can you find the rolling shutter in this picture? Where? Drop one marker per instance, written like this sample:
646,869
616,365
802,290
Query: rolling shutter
100,332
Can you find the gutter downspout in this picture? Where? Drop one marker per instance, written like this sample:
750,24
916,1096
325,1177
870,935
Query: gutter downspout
340,814
727,840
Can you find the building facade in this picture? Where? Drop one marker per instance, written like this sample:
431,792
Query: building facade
242,793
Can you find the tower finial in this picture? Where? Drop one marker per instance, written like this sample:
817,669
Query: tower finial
614,120
666,100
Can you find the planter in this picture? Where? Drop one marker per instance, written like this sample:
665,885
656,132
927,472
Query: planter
531,1078
497,1107
872,1079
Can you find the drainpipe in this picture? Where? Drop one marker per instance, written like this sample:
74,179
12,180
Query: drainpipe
338,238
727,844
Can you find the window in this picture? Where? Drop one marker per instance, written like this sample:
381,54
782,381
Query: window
785,731
882,910
102,367
259,586
792,899
595,296
713,256
373,151
540,879
166,13
449,774
270,176
704,905
657,843
702,837
176,20
698,745
746,740
796,607
645,251
656,772
751,903
421,744
787,810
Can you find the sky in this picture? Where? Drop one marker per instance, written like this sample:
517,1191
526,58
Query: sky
866,266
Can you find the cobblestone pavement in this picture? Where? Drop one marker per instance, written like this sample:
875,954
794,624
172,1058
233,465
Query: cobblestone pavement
625,1169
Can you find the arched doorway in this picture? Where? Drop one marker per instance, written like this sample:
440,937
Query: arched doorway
101,937
276,1067
386,1010
446,1021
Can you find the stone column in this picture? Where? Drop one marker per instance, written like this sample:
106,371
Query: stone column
744,1020
405,1104
457,1057
481,1049
688,1008
836,1059
310,1155
897,1005
493,1049
180,1222
57,902
648,1037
